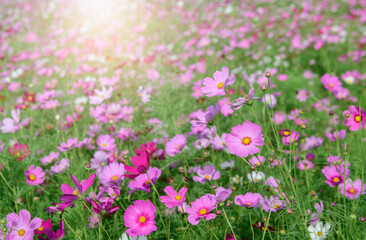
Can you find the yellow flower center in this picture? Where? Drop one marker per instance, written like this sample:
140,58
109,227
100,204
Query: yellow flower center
40,228
142,219
319,233
358,118
286,133
258,163
75,192
255,180
104,144
203,211
248,203
32,177
220,85
21,232
50,160
330,85
276,206
178,197
102,96
18,154
206,176
246,141
114,178
335,179
352,191
147,182
177,147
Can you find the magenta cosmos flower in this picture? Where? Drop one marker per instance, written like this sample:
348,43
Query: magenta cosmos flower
144,181
354,119
21,227
175,145
71,194
139,218
244,139
248,200
141,163
335,175
352,190
174,199
201,208
216,87
35,175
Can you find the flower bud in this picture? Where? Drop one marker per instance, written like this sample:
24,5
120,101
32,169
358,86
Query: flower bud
289,211
362,219
268,74
219,212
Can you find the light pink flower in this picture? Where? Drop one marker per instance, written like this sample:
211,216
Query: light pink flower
245,139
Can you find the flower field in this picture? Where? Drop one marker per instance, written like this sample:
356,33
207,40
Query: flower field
190,119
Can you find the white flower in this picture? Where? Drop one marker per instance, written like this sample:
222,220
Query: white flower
255,177
126,237
319,231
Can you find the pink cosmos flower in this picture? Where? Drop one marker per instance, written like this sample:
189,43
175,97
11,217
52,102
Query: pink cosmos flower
70,194
335,175
290,139
331,83
112,174
22,227
71,143
205,117
282,77
106,142
354,119
305,165
222,194
257,160
60,166
58,235
175,145
152,74
11,125
139,218
141,163
248,200
337,160
270,100
336,134
273,204
50,158
144,181
225,106
99,161
216,86
45,225
207,174
174,199
302,95
272,182
35,175
352,190
219,143
101,95
244,139
279,117
201,208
